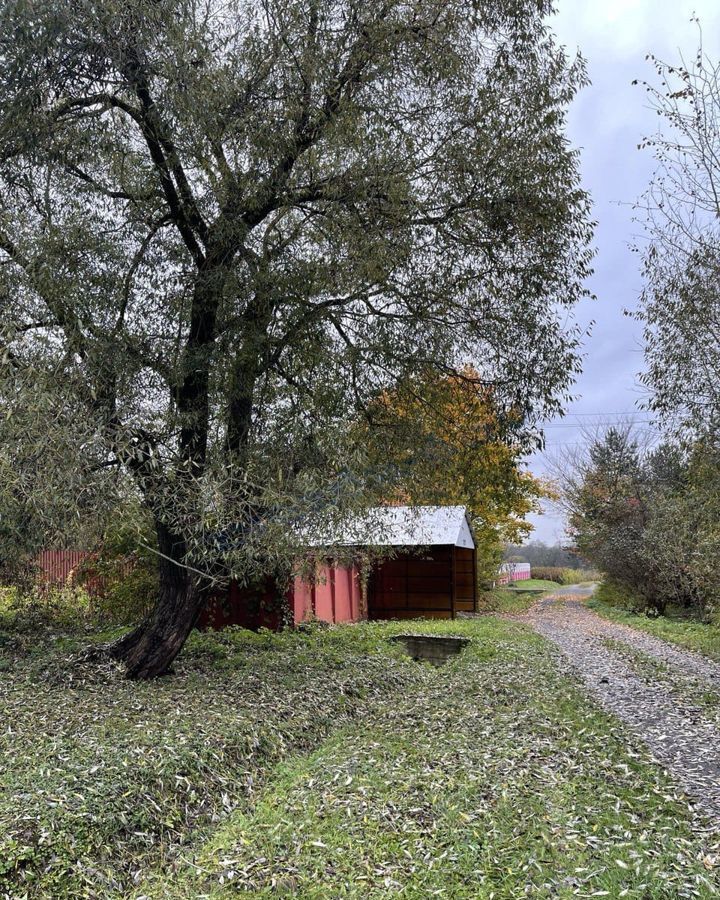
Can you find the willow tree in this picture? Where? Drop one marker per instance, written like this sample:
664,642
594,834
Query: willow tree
226,227
680,301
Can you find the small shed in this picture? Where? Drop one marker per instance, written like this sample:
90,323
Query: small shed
431,566
333,595
430,572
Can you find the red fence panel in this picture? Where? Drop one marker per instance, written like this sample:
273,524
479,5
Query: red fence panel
57,566
333,596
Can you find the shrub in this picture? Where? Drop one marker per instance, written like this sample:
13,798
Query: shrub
122,574
564,575
649,519
578,576
547,573
67,607
620,596
128,596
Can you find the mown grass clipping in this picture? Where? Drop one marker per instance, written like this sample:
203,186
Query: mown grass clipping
327,764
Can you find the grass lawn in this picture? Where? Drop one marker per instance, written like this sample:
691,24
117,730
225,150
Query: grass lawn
505,600
535,584
327,764
514,599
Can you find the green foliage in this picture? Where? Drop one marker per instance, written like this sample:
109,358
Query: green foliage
607,513
504,601
325,763
116,584
679,536
549,573
611,593
123,600
650,520
56,490
225,228
123,572
129,597
564,575
68,608
489,555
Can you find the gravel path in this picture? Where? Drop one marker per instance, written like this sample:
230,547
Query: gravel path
678,733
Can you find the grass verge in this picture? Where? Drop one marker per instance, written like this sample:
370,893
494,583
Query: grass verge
502,600
536,584
688,633
512,600
327,764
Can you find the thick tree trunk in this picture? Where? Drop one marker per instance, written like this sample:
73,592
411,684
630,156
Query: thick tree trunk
149,649
162,636
120,648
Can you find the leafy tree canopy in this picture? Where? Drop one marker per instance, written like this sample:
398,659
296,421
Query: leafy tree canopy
225,228
648,517
443,440
680,303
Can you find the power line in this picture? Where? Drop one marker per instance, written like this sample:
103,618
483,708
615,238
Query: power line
599,424
629,412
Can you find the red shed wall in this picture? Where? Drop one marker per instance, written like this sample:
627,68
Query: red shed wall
347,594
335,596
56,566
465,580
248,607
434,583
413,585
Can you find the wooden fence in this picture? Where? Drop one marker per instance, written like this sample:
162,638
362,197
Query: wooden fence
58,568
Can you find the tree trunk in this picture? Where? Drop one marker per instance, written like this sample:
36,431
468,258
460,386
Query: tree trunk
149,649
162,636
120,648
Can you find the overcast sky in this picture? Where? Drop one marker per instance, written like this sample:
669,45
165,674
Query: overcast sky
607,121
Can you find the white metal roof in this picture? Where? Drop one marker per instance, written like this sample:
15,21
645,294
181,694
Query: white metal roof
407,526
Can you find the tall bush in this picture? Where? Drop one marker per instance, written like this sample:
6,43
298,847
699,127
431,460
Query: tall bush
649,519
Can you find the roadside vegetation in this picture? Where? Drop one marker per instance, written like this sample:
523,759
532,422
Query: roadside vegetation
675,625
648,518
565,575
643,503
504,600
326,763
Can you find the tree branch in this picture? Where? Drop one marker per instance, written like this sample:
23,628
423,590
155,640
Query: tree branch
164,156
135,265
66,318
